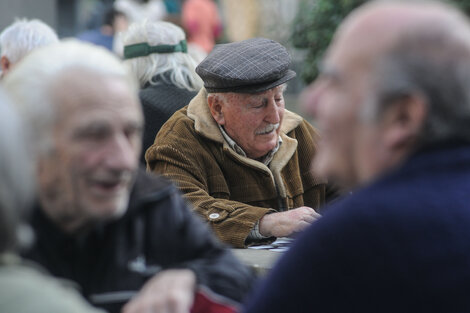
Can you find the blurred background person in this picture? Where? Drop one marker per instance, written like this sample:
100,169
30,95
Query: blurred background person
138,10
201,20
113,22
20,38
242,18
24,288
156,53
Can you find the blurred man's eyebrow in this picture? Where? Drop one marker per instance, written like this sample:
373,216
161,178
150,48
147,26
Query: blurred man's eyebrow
328,71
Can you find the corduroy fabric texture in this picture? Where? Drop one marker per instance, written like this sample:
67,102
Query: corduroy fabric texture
229,191
248,66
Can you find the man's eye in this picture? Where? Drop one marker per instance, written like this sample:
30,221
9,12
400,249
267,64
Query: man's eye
93,133
97,135
133,131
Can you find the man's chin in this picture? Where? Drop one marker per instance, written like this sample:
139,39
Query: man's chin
115,209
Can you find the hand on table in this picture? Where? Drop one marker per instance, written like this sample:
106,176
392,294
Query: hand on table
171,291
288,223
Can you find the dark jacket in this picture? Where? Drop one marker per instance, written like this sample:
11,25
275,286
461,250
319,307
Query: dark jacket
159,102
230,191
158,231
400,245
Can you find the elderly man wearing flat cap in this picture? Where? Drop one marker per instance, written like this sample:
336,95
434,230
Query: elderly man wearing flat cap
239,157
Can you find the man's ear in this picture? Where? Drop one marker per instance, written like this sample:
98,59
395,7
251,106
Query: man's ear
403,120
5,64
216,108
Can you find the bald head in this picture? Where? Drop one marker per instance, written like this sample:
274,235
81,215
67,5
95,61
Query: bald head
380,26
385,21
394,80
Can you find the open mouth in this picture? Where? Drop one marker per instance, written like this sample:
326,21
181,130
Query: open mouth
109,186
268,129
108,189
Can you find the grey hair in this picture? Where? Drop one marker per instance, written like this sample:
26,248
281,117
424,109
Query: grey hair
16,177
434,63
30,84
180,67
24,35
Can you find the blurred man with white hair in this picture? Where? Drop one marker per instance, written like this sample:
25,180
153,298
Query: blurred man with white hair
23,288
157,54
20,38
99,220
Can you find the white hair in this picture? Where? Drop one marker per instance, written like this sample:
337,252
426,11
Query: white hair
22,36
179,66
30,84
16,175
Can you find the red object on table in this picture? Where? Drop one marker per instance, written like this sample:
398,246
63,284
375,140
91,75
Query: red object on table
207,301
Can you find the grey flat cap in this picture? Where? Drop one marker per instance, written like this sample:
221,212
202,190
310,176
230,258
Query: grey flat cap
248,66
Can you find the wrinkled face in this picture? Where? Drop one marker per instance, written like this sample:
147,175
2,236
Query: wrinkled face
254,120
97,140
338,100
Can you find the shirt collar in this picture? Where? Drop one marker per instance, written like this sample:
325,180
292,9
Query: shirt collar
264,159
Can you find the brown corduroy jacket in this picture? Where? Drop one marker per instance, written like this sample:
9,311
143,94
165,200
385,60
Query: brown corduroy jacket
230,191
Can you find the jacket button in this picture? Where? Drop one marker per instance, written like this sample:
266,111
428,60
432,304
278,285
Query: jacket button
213,216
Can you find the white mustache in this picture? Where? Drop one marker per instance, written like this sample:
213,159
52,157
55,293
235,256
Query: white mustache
267,129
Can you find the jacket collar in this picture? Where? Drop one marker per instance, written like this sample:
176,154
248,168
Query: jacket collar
204,123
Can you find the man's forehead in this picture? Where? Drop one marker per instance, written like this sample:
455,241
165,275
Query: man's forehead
86,89
363,37
82,78
329,70
378,25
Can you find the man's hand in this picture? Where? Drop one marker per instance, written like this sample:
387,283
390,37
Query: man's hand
285,224
171,291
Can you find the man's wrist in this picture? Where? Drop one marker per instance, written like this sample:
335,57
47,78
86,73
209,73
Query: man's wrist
264,226
255,234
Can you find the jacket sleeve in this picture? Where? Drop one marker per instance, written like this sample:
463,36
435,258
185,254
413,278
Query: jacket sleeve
190,163
182,240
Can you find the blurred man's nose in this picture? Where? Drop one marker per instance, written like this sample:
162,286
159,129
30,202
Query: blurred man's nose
121,153
311,98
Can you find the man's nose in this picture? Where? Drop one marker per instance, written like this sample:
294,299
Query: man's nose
274,115
121,153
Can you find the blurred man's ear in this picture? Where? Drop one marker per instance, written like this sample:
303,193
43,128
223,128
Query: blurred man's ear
403,121
5,64
216,106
